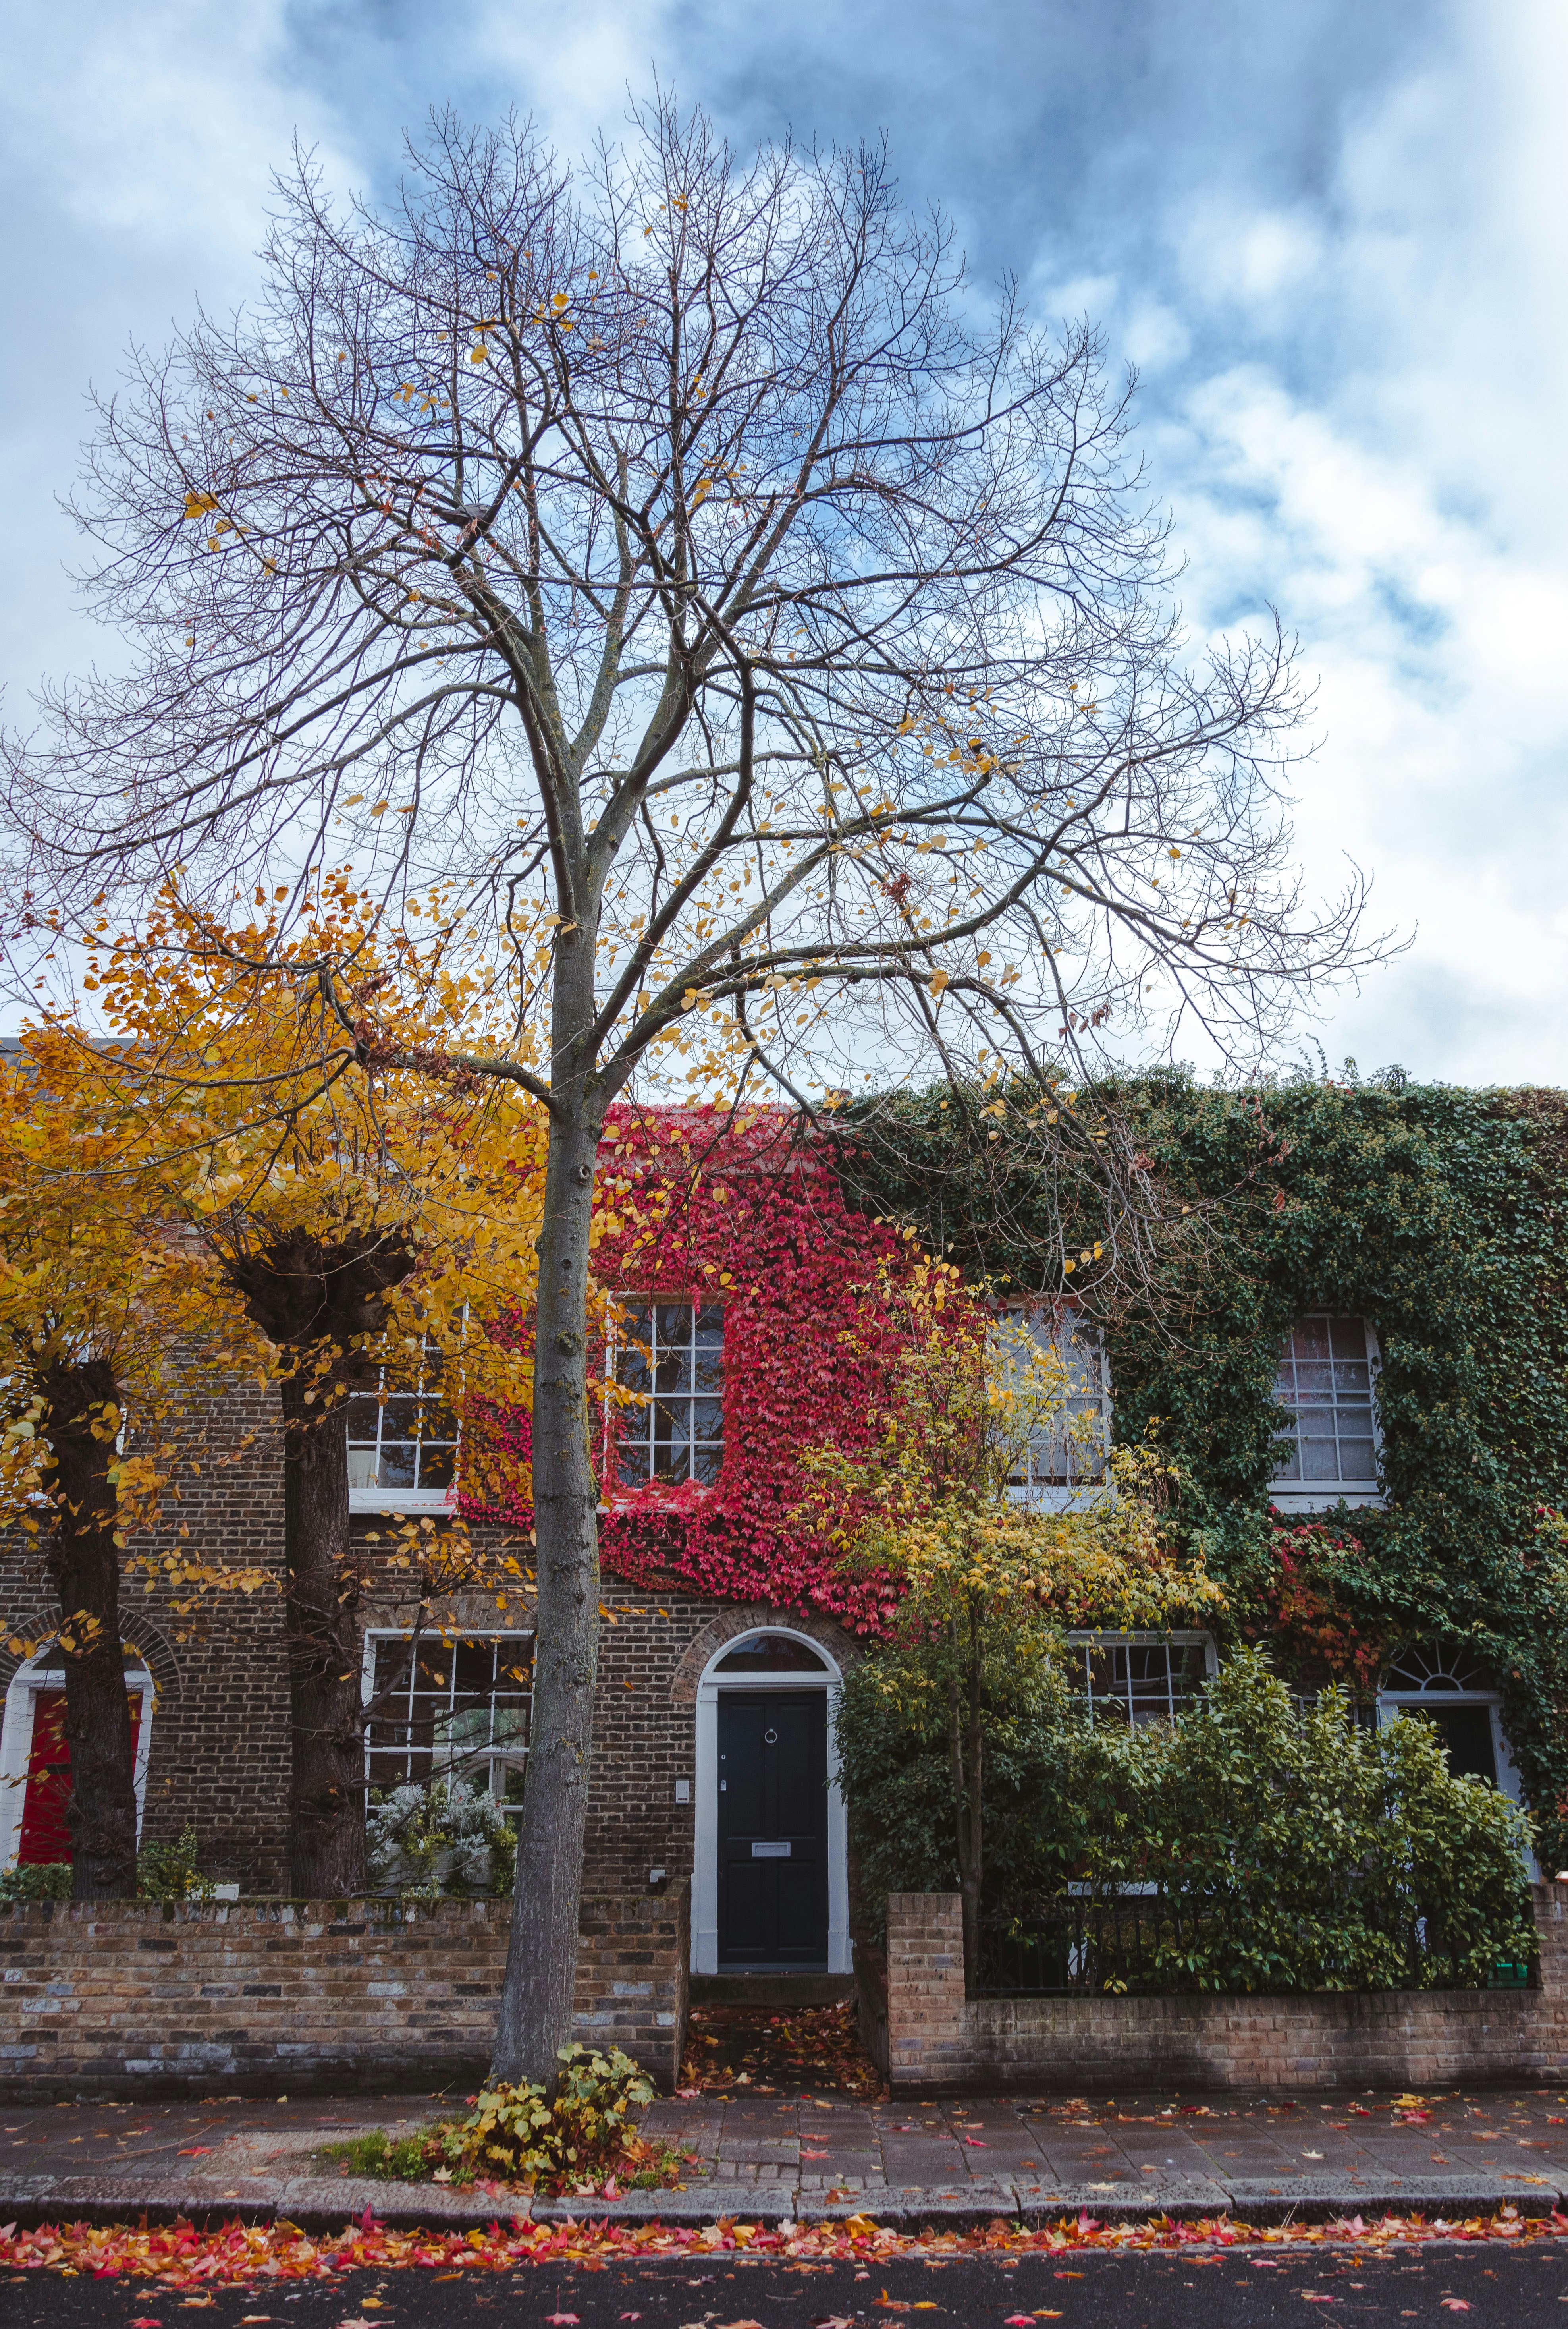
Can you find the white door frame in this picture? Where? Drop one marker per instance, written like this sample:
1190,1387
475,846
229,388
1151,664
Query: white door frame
34,1675
705,1857
1391,1702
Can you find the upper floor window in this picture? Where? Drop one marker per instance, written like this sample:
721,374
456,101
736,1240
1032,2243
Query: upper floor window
1067,1453
448,1710
402,1443
670,1356
1330,1444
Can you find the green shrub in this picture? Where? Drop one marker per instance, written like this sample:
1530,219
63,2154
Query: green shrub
38,1880
168,1871
445,1838
514,2135
514,2131
1296,1849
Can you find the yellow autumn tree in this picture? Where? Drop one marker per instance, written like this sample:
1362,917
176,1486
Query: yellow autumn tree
373,1218
101,1302
987,1580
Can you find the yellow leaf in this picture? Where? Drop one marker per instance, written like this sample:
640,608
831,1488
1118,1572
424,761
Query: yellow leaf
559,301
197,505
938,981
380,810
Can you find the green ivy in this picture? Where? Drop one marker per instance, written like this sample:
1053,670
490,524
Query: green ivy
1440,1214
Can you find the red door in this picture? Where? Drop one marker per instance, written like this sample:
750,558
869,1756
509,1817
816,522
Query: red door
45,1836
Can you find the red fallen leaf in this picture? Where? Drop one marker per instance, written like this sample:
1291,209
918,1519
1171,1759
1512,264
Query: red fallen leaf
563,2319
198,2151
1455,2304
146,2322
813,2155
975,2144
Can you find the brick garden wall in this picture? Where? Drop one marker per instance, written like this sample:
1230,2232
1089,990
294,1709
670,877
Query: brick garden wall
930,2037
293,1997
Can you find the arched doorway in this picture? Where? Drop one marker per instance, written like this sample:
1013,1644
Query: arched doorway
1446,1686
770,1875
35,1756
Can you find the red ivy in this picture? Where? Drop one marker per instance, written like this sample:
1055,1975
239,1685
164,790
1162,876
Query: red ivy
1308,1604
691,1209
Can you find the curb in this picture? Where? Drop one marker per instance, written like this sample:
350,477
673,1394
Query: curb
319,2206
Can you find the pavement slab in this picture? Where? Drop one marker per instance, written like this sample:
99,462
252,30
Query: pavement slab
809,2155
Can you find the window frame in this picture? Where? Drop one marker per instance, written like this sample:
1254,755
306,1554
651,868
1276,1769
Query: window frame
1086,1640
1067,1495
401,1499
616,1342
1322,1496
491,1756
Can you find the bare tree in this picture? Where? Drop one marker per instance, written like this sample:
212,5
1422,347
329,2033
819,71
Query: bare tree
767,637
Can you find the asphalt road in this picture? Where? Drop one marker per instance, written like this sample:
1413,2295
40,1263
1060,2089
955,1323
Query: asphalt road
1486,2288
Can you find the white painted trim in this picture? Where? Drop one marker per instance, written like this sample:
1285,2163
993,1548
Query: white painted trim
389,1501
1391,1702
705,1842
1322,1496
33,1675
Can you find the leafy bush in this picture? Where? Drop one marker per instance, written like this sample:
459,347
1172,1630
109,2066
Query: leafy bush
514,2131
38,1880
445,1838
1297,1849
587,2136
168,1871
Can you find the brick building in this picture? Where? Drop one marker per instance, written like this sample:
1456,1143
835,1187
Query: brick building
713,1756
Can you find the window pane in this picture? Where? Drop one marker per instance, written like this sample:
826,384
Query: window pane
397,1466
437,1466
675,1430
1325,1380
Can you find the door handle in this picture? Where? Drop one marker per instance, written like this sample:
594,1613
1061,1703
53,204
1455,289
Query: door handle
770,1738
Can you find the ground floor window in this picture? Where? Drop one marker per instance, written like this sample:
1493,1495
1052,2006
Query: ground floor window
448,1710
35,1758
1141,1677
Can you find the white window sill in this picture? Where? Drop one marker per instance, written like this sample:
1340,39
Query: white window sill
1324,1494
388,1500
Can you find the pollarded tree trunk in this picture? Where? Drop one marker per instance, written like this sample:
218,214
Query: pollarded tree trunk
536,2007
84,1568
326,1824
312,1297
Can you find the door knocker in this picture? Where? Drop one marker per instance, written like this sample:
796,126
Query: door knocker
770,1738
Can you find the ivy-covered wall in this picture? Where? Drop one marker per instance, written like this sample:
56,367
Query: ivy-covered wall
1439,1213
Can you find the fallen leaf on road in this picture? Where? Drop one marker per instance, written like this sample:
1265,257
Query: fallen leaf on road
1455,2304
564,2320
813,2155
975,2144
199,2151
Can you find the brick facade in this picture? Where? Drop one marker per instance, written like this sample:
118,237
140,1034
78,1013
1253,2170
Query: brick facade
295,1997
219,1758
929,2037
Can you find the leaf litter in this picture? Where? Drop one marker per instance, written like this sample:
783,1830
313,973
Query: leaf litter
177,2256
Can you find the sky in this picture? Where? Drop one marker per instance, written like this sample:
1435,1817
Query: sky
1329,236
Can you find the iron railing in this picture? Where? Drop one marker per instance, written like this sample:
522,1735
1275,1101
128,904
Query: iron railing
1148,1942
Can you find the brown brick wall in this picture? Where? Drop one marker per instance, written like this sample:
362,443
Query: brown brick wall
293,1997
937,2038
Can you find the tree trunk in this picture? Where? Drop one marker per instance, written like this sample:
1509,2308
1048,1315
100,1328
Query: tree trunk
327,1820
312,1297
84,1568
536,2005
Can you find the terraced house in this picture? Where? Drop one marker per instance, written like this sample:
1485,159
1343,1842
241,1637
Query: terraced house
1358,1375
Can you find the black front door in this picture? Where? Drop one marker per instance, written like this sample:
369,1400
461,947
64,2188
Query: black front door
773,1828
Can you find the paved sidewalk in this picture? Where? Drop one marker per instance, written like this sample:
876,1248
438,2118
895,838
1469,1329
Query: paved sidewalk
800,2156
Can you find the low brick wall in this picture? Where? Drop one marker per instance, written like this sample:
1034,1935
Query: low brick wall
937,2038
272,1996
